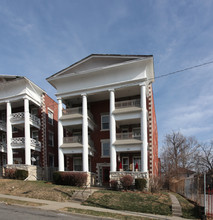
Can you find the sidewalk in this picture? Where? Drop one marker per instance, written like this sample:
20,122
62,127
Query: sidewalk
56,206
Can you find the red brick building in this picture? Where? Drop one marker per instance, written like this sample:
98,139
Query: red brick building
107,122
28,127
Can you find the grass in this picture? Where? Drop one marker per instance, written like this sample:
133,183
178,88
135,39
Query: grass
189,210
104,214
37,190
19,202
158,203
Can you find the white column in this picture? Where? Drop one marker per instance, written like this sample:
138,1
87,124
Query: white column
85,133
60,137
144,156
27,132
113,161
9,135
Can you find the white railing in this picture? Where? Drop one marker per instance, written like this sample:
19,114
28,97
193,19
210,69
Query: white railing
17,116
77,110
35,143
128,135
35,119
73,139
2,124
69,111
77,139
18,141
128,103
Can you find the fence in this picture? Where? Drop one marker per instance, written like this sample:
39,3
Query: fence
197,188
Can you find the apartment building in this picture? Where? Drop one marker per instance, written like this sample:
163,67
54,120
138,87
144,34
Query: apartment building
28,127
107,124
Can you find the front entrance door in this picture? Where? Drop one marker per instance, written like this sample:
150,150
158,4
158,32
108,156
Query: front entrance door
105,180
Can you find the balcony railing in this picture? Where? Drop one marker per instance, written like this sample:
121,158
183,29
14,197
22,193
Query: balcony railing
18,141
17,116
35,119
128,103
20,115
128,135
77,139
21,141
77,110
73,139
35,143
2,125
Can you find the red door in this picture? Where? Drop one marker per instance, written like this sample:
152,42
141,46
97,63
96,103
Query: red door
105,180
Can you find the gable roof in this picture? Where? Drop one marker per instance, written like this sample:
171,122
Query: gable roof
122,58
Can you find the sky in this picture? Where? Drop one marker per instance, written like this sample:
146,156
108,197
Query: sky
40,37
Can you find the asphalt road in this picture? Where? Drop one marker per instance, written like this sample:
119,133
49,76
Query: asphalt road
9,212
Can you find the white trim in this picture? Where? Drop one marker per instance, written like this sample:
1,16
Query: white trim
102,115
102,142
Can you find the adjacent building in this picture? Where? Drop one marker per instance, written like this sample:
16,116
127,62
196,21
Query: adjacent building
28,127
106,117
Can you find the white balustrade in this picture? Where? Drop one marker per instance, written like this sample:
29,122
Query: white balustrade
128,103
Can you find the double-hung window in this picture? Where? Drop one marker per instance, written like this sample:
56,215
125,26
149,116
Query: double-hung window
105,122
105,148
50,117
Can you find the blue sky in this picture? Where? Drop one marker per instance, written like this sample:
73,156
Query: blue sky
40,37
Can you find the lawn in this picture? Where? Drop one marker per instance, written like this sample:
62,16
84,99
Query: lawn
36,189
157,203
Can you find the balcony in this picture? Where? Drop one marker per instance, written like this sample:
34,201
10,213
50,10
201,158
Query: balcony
74,117
19,117
128,142
3,147
128,112
3,125
73,145
19,142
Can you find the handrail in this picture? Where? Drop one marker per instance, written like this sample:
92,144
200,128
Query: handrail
127,135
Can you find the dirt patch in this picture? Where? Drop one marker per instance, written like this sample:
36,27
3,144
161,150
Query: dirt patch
36,189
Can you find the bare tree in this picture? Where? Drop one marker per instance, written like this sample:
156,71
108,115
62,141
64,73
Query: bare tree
204,157
178,152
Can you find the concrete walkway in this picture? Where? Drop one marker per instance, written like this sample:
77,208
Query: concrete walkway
176,208
56,206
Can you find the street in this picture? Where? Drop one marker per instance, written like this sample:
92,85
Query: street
9,212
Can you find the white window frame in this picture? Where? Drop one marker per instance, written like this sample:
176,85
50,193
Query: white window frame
102,146
77,158
102,116
50,119
52,133
125,164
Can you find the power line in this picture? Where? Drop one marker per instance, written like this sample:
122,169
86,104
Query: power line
178,71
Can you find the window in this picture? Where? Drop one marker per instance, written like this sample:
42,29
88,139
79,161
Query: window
125,163
104,122
51,139
51,160
137,160
14,129
105,148
77,164
50,117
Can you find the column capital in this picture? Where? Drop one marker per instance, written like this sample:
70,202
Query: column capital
59,98
83,94
142,84
111,90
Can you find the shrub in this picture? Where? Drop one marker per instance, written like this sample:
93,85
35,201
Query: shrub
114,184
21,174
155,184
140,184
70,178
126,181
10,173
